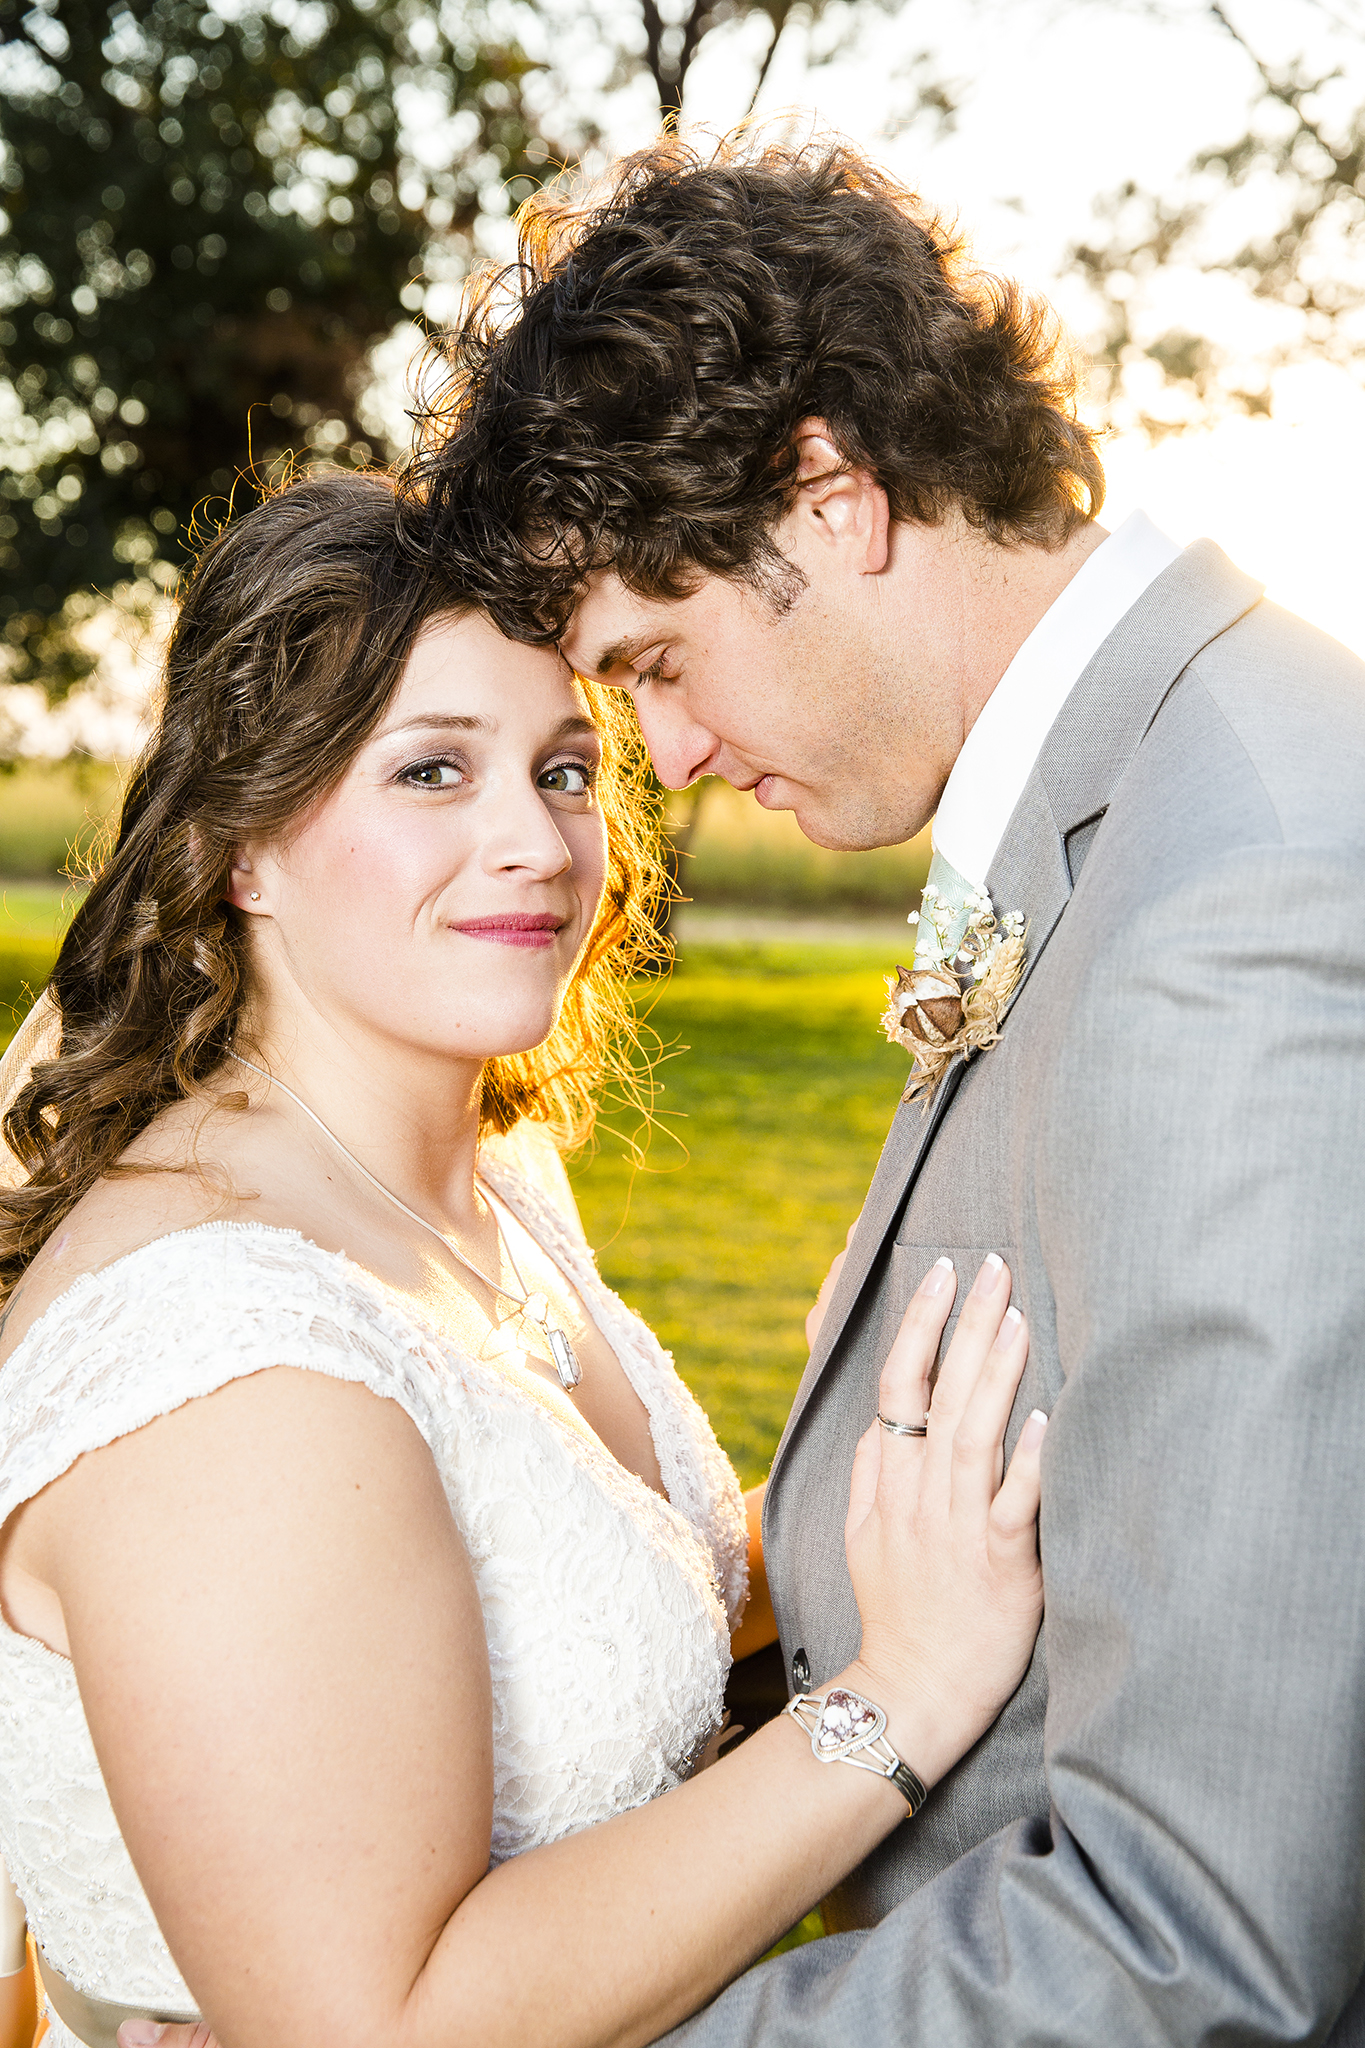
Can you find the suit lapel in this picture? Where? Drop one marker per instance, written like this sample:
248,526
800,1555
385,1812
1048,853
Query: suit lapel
1095,736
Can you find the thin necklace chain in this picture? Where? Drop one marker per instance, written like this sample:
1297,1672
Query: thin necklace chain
566,1364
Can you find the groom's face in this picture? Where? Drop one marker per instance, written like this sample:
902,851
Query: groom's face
839,705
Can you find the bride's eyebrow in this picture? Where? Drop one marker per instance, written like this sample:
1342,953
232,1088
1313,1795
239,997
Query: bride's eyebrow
575,726
440,721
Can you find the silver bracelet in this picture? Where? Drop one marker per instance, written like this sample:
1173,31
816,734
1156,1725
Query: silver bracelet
846,1728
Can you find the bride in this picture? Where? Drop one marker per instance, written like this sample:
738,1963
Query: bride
367,1573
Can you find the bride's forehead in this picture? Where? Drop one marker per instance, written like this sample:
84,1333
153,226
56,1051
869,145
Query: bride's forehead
466,666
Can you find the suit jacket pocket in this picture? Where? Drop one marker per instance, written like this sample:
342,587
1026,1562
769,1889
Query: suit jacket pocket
910,1263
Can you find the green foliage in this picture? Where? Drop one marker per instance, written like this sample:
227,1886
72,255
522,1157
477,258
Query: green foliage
1303,155
734,852
53,814
36,910
211,221
812,1928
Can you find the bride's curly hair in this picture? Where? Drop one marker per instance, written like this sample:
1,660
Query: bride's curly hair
292,636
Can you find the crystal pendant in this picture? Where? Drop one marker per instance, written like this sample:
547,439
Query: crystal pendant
566,1365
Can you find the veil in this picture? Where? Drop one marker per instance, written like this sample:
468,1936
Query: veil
36,1039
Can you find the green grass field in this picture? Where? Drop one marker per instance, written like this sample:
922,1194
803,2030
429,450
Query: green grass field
773,1106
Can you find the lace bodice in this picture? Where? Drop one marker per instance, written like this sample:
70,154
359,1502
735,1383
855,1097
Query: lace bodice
607,1612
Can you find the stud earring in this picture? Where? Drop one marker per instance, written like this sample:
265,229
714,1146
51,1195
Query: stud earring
255,895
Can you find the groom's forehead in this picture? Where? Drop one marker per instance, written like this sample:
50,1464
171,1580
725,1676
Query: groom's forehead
612,624
609,626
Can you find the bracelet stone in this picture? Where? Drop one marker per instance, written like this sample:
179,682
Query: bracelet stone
846,1728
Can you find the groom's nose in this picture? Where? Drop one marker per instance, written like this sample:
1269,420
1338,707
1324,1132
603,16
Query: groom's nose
679,747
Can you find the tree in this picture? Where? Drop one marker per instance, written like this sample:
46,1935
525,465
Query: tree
674,31
211,220
671,45
1303,155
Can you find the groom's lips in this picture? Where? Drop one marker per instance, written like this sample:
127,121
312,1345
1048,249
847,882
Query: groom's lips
528,928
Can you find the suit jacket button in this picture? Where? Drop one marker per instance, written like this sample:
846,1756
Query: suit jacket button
801,1671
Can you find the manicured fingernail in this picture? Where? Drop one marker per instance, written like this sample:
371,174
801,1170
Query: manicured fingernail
1031,1435
990,1272
140,2033
1008,1330
937,1277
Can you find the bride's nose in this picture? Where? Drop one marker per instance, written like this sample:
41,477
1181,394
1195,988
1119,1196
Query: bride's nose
522,836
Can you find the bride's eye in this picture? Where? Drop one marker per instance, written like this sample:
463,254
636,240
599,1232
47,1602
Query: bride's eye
442,774
567,778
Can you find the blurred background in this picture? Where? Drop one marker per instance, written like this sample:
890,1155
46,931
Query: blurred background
227,231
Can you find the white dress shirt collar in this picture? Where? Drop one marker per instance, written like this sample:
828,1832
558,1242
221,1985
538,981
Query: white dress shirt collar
999,752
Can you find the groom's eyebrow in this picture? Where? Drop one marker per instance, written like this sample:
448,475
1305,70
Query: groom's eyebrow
622,653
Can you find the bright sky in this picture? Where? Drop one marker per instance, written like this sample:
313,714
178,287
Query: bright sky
1282,496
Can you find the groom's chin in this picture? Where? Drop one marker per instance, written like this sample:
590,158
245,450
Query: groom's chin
844,832
842,820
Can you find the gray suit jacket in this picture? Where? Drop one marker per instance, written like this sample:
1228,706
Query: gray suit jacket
1162,1840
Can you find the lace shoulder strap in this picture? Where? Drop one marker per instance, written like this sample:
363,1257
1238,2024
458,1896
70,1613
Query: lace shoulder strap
179,1318
530,1153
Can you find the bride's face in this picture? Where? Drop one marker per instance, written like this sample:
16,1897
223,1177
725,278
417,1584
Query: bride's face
441,894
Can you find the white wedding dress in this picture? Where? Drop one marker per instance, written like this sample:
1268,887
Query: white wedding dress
607,1609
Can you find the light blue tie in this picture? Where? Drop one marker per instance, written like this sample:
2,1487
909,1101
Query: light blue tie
938,938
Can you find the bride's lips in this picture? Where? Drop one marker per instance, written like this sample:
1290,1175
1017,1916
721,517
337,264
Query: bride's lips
533,928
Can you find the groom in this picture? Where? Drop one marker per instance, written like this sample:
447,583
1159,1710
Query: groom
760,448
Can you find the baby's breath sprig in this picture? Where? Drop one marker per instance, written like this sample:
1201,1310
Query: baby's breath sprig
948,1005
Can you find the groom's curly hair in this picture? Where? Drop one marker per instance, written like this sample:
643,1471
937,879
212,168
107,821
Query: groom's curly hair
628,394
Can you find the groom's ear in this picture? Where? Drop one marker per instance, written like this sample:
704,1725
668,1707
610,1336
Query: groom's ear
837,504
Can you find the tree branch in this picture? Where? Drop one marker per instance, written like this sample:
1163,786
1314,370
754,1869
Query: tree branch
779,16
654,52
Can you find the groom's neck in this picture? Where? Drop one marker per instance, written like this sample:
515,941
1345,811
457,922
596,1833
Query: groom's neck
1005,592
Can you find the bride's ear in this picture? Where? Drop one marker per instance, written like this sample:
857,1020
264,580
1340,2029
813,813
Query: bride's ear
242,891
840,505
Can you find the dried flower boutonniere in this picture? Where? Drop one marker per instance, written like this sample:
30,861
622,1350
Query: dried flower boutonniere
953,998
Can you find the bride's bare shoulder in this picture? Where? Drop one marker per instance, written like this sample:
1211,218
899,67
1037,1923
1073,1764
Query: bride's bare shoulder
187,1169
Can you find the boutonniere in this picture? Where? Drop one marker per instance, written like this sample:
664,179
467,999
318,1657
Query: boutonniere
953,1003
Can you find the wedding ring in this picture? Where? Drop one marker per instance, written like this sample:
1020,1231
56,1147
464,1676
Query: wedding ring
903,1428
